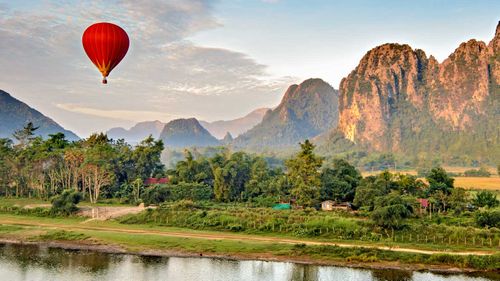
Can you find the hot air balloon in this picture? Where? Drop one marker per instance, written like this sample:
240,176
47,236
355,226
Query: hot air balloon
105,44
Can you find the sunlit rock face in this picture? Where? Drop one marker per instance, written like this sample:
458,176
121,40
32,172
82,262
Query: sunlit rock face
396,92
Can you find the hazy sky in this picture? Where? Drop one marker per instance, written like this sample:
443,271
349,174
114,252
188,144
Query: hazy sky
210,59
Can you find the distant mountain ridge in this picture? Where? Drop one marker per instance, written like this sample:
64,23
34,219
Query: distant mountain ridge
187,133
15,114
305,111
138,132
218,129
236,126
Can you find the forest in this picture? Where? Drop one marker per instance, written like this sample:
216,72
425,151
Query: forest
99,169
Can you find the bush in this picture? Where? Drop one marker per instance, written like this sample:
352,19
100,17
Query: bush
66,202
181,191
489,218
486,199
481,172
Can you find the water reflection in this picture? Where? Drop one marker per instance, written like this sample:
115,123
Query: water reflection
41,263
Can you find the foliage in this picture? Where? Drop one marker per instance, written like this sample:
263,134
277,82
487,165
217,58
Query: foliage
182,191
439,181
490,218
66,202
486,199
481,172
339,183
391,210
458,200
304,176
97,167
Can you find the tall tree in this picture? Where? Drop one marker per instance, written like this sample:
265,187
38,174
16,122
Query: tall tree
97,168
304,175
439,181
6,154
25,135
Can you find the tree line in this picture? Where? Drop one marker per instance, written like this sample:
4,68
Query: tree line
98,167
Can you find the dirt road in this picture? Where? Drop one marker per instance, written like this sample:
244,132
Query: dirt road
228,236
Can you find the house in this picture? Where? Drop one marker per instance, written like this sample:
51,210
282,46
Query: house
155,181
327,205
330,205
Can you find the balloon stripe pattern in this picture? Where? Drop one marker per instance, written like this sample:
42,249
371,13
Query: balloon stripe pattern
106,44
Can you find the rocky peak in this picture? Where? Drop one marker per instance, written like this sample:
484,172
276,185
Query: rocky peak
494,52
385,77
395,90
462,85
311,94
305,111
228,138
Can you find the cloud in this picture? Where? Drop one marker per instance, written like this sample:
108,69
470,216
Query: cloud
163,76
125,115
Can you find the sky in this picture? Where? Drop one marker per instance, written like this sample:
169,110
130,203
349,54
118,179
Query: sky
208,59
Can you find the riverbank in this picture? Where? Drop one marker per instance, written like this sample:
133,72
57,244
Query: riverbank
110,237
113,249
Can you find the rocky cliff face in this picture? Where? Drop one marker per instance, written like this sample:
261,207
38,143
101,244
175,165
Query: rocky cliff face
396,93
305,111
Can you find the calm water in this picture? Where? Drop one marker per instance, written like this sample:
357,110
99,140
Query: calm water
42,263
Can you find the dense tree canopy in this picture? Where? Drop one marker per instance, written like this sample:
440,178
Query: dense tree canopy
98,167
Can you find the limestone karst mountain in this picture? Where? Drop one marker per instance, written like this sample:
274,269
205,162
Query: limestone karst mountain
305,111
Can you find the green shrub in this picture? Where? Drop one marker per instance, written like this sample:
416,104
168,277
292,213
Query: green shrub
66,202
481,172
486,199
181,191
489,218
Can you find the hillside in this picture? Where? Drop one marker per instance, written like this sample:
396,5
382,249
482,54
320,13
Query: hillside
186,133
15,114
305,111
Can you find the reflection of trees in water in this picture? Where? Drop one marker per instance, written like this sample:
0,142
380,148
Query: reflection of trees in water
151,260
391,275
53,259
301,272
84,260
23,255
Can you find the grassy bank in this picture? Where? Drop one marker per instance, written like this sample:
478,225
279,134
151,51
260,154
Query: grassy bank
172,241
440,232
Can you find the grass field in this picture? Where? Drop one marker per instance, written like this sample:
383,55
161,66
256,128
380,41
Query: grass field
492,183
480,183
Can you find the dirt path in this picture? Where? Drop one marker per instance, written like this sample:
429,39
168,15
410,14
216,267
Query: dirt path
106,213
233,237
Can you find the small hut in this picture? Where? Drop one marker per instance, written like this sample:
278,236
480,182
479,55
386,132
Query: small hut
330,205
327,205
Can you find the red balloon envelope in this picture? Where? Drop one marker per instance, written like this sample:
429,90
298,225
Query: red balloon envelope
106,44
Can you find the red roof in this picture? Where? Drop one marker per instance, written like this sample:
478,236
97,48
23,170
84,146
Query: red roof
153,181
423,202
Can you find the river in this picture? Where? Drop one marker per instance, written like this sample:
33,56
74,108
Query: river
31,262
